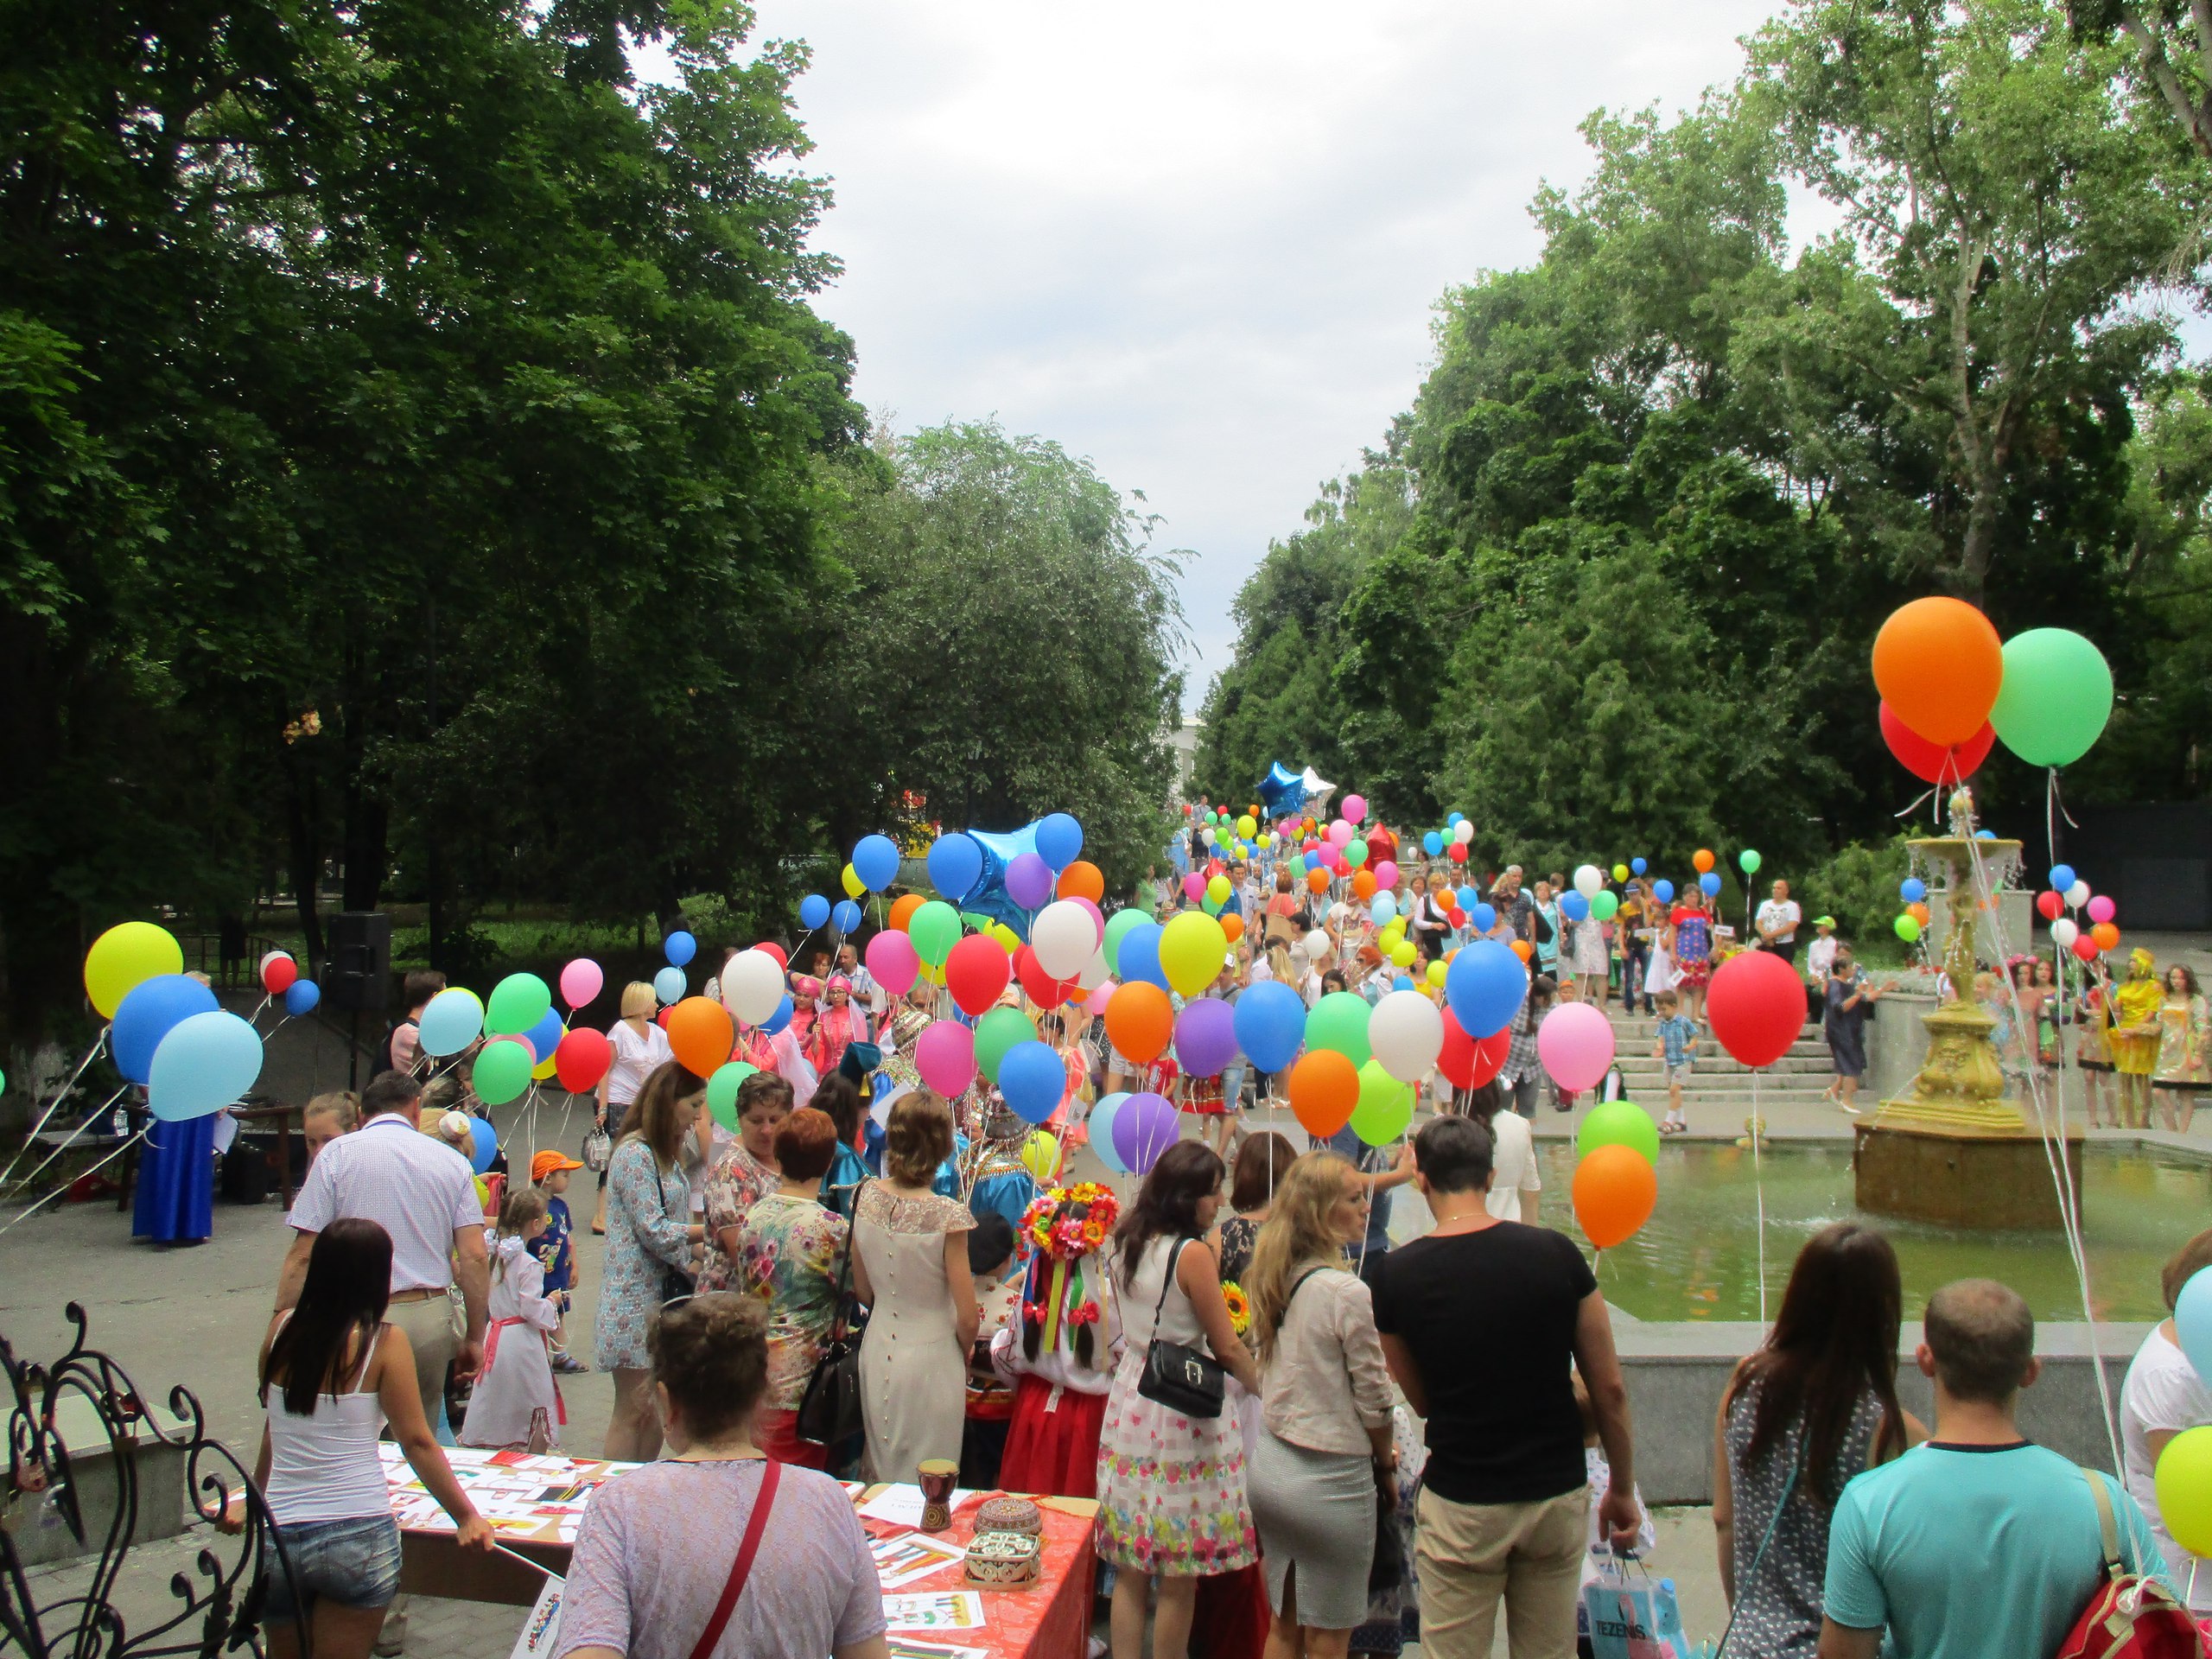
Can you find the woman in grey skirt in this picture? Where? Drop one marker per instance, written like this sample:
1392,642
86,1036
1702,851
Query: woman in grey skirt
1324,1392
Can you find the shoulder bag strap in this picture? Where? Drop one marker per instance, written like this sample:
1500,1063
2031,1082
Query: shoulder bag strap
755,1524
845,1262
2107,1524
1167,1279
1758,1555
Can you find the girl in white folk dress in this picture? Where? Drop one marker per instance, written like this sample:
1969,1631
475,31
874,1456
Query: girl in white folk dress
516,1403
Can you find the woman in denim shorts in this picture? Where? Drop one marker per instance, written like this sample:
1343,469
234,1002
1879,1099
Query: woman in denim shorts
332,1374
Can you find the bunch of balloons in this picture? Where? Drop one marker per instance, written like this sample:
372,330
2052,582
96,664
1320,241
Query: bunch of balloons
2183,1472
2067,892
1912,921
1951,689
166,1030
1615,1170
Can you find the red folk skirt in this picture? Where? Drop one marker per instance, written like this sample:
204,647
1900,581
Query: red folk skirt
1052,1447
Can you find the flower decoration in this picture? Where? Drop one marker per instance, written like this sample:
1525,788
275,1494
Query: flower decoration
1070,1222
1240,1307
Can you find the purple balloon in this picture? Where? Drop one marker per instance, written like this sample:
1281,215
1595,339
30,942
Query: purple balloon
1029,881
1145,1127
1205,1037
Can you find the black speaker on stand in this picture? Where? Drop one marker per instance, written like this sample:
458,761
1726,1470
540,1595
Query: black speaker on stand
357,976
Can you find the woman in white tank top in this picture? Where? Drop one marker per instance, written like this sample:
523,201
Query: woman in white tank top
319,1470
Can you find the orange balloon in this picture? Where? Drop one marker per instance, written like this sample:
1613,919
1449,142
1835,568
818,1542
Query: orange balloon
1080,880
1232,925
1520,949
1938,663
1701,861
2107,936
1614,1187
1323,1088
903,909
1139,1020
1317,881
699,1031
1918,912
1363,884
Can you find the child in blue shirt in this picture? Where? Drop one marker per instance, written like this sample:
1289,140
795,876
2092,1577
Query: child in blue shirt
1677,1046
556,1248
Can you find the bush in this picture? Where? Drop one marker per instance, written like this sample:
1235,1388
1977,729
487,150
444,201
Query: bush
1859,888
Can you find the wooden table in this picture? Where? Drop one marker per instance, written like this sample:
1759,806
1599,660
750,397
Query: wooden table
280,1112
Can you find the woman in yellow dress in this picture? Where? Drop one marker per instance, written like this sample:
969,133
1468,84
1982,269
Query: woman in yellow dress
2181,1069
2135,1037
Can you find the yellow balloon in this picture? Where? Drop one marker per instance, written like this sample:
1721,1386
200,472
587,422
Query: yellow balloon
1394,931
1040,1156
544,1069
1008,940
2184,1486
124,957
1402,953
1218,889
1248,826
1620,872
1192,947
1437,972
853,885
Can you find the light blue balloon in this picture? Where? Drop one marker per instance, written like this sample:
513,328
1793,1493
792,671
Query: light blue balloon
1709,883
679,947
956,864
545,1036
1140,956
1912,889
1060,840
452,1019
813,911
204,1062
1575,908
2062,877
1102,1129
1469,900
153,1008
1637,866
1485,917
1385,908
484,1144
2193,1320
846,915
1402,983
668,984
1270,1026
876,861
301,997
779,1019
1432,844
1485,986
1034,1079
1664,890
1453,820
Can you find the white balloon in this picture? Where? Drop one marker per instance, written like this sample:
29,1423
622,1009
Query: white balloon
1316,946
1463,831
1205,834
1095,971
753,985
1384,907
1589,881
2063,933
1063,939
2078,894
1405,1031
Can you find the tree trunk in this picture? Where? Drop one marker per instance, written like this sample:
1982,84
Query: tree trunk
301,805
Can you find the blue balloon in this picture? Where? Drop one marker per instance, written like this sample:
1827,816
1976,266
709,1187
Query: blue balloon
485,1144
1060,840
1485,986
1469,900
1383,909
454,1019
2062,877
1139,957
668,984
1576,908
1485,917
1432,844
153,1008
956,864
1402,983
1637,866
679,947
876,861
1453,820
779,1019
204,1062
1101,1125
1034,1079
2193,1318
301,997
1270,1026
1984,835
1709,883
1912,889
1664,890
813,911
545,1036
846,915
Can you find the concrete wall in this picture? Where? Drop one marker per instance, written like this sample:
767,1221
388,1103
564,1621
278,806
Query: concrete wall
1676,1373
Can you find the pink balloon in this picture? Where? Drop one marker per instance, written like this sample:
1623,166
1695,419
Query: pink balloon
1194,885
1575,1044
1096,1002
2102,909
1355,808
945,1056
581,981
894,961
1339,832
1386,877
1097,917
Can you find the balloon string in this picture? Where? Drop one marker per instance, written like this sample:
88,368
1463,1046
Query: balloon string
59,1191
90,1118
55,1105
1758,1188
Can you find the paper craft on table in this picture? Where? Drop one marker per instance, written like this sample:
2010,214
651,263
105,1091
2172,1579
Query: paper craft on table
944,1610
901,1505
906,1556
905,1647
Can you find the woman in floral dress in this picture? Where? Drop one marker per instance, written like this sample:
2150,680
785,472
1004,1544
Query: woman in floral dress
649,1237
745,1173
788,1252
2181,1069
1171,1488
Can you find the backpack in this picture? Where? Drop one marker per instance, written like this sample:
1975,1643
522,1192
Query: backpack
2131,1616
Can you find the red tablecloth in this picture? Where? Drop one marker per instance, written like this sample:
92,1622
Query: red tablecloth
1050,1620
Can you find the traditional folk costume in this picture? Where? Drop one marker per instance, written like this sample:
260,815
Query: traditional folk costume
1059,1352
516,1402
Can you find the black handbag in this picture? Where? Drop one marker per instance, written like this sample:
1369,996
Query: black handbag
829,1411
675,1283
1182,1379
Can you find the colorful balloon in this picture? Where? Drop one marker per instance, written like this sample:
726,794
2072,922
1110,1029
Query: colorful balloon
2055,697
1406,1032
1339,1021
1034,1080
1192,950
2183,1482
451,1021
1619,1123
1101,1125
125,956
581,981
150,1010
1575,1045
278,971
302,996
814,911
1059,839
944,1054
699,1034
751,985
1755,1004
519,1002
876,861
502,1069
1324,1091
669,985
1082,880
1145,1127
1385,1107
1485,986
935,929
679,948
996,1033
205,1062
582,1059
1940,664
1270,1024
1614,1188
1139,1020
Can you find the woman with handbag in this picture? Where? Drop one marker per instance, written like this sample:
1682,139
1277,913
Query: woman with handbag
1326,1440
637,1046
788,1251
717,1550
1170,1462
650,1236
910,1267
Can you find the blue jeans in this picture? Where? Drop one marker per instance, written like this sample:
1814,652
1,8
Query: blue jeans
354,1563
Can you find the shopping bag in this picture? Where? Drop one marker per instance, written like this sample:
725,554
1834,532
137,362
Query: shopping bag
541,1631
1633,1617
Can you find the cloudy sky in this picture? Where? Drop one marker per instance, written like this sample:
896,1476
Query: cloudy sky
1199,241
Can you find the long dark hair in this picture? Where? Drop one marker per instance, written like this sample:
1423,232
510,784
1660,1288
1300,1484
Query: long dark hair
1836,1339
347,1286
1167,1203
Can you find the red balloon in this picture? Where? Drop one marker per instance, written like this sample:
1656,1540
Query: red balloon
2050,905
783,960
977,973
2085,947
661,1019
582,1059
1457,852
1457,1060
1044,990
1459,917
1756,1005
1490,1054
1930,762
278,973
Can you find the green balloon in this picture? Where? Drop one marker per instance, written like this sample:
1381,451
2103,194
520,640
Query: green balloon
935,929
1619,1123
1748,862
1603,906
1385,1109
501,1072
1117,928
519,1002
1909,929
2055,697
1339,1021
1356,852
721,1091
997,1032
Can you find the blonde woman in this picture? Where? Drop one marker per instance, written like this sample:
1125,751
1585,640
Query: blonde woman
639,1045
1325,1389
327,1116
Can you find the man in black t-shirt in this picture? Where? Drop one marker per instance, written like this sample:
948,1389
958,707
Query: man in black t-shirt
1484,1323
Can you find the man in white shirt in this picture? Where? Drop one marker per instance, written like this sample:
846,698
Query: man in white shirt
1777,922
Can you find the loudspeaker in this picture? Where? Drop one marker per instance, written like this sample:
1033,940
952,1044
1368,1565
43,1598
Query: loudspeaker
357,977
